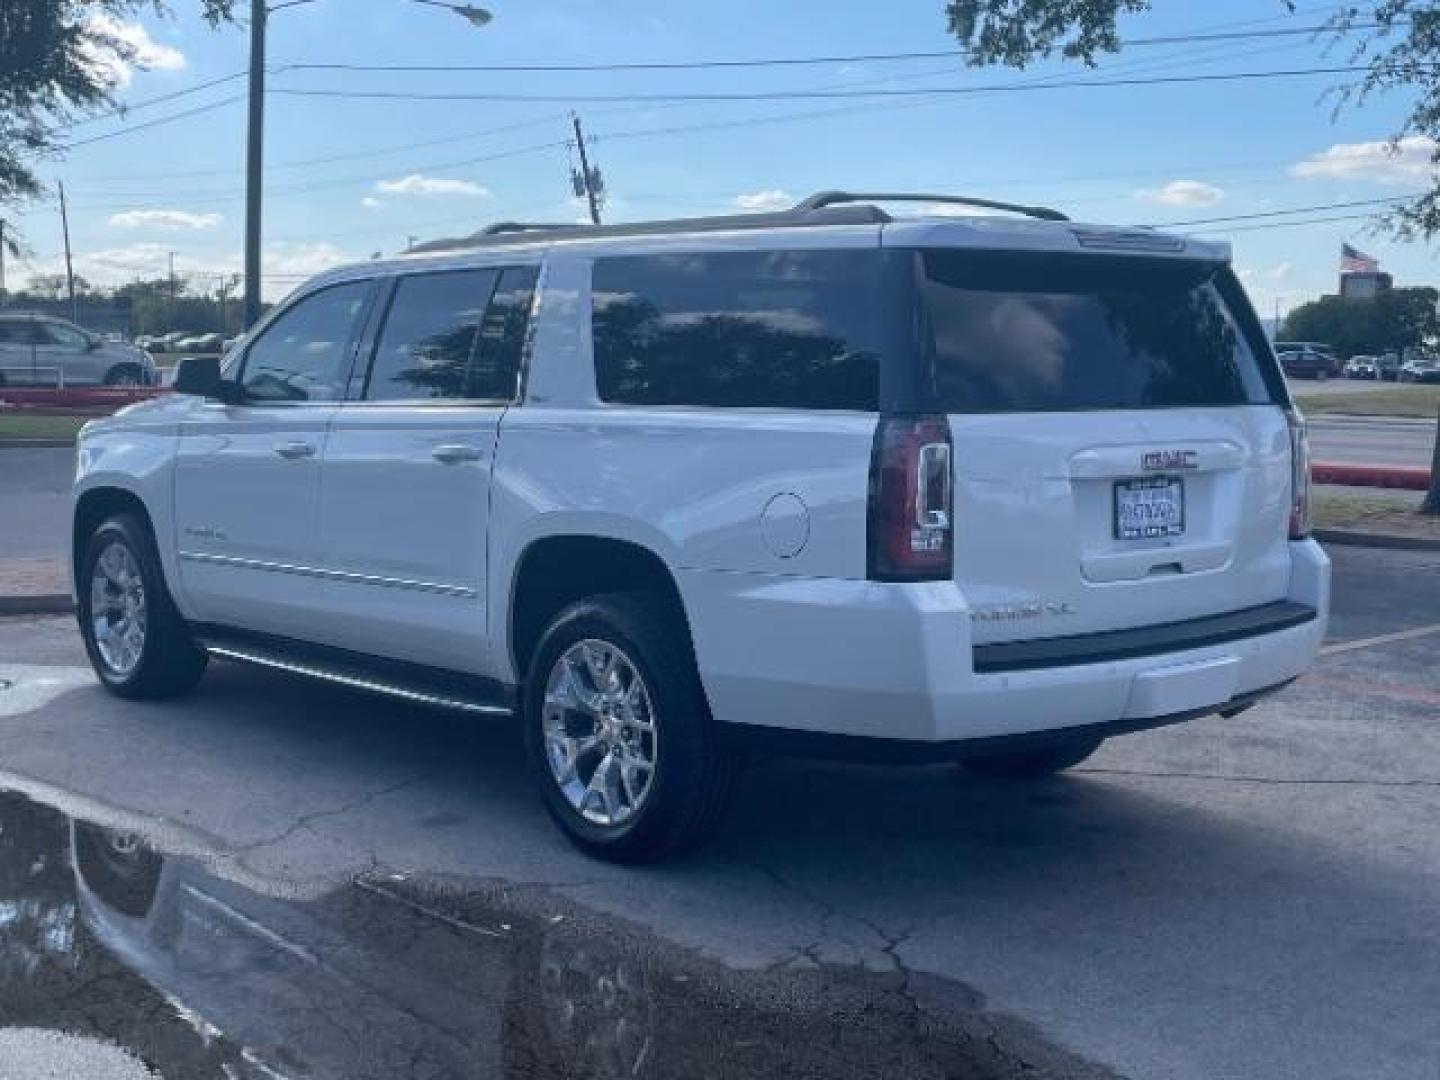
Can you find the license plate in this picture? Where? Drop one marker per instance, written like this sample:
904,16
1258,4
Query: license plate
1149,507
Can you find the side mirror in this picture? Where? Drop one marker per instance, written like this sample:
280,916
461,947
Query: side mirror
200,375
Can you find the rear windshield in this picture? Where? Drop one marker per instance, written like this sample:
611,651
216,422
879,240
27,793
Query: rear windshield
1024,333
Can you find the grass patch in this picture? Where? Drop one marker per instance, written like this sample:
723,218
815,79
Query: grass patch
1420,400
19,425
1372,510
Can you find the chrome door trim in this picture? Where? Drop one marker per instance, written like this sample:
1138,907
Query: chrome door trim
462,591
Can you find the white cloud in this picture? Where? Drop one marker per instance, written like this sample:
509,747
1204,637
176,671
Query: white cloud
772,199
1182,193
144,52
1406,162
306,259
419,184
1281,271
169,220
371,203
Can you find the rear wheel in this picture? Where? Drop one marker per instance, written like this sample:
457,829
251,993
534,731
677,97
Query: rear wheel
1032,763
630,763
137,641
123,375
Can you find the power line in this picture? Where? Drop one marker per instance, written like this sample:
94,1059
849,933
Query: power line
1290,224
154,123
1291,210
133,106
795,61
823,95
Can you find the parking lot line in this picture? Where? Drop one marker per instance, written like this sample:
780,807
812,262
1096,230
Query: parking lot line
1380,639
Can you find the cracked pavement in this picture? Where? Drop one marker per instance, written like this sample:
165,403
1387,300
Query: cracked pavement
1227,898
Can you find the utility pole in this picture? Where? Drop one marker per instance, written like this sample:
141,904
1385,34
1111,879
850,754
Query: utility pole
172,290
254,148
2,262
69,271
586,182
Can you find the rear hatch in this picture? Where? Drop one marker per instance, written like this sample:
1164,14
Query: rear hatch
1121,454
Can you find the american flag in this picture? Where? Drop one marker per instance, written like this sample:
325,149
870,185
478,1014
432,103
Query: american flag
1355,261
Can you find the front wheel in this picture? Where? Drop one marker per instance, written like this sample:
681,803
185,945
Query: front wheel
137,641
1028,764
621,742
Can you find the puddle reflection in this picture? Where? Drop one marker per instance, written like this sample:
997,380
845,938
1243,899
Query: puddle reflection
103,937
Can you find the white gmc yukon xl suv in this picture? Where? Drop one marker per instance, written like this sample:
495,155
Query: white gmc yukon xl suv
987,488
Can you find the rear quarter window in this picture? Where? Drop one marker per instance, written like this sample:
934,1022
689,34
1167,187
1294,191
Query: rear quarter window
783,329
1026,333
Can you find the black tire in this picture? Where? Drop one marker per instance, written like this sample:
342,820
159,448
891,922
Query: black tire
694,768
1029,764
170,663
119,867
125,374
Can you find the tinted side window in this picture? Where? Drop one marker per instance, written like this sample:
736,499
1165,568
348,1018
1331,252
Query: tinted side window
13,333
1020,333
502,335
56,334
427,346
304,353
790,329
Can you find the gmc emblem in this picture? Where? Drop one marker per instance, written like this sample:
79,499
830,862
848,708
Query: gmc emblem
1166,460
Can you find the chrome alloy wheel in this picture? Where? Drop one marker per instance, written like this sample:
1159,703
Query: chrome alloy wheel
117,608
600,734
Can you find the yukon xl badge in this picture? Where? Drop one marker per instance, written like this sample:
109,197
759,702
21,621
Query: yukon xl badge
1165,460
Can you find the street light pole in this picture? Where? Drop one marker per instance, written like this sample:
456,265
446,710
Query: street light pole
255,140
254,150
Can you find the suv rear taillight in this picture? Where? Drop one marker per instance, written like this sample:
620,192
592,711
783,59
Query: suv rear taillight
1299,476
911,488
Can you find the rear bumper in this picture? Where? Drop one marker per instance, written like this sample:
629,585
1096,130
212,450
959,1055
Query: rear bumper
896,662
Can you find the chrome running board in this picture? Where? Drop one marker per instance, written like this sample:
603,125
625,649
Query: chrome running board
405,682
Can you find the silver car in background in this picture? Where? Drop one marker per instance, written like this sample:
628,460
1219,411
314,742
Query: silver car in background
37,350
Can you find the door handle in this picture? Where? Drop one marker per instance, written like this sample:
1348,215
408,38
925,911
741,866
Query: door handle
455,453
295,450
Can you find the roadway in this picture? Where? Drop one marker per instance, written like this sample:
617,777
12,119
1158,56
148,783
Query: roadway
1365,440
371,887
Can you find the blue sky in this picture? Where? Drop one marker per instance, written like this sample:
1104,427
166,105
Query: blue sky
1146,154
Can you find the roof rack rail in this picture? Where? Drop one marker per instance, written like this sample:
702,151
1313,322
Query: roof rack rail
505,227
831,198
823,208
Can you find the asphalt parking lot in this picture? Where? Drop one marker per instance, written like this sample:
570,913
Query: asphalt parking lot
1252,897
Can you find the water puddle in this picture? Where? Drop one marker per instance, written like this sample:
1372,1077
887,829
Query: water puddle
109,946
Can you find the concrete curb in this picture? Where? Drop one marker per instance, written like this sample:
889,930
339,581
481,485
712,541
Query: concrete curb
1404,477
38,604
1380,540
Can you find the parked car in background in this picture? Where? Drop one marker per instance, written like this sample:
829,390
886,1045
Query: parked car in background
38,350
1389,365
790,477
1424,370
1307,364
1309,346
1362,367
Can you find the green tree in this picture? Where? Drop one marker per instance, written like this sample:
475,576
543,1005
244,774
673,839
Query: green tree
1392,321
57,65
1396,42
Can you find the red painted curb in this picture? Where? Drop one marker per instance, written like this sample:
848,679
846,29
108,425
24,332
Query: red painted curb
1406,477
79,397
